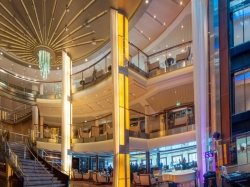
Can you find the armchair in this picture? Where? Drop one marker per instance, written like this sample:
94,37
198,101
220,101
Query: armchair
87,176
156,173
136,178
82,134
183,56
75,175
97,178
147,180
109,130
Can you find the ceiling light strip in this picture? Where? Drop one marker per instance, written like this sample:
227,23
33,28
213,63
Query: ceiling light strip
82,43
37,18
20,36
59,22
72,21
13,35
73,39
44,20
142,34
13,39
161,23
22,33
30,20
52,18
18,22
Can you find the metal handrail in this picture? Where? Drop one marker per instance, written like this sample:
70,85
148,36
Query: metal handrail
17,165
36,160
58,166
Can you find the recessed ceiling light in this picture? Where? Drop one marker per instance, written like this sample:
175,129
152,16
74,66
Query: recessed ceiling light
141,31
66,29
87,24
157,59
169,54
164,23
1,53
85,121
182,26
149,38
96,95
183,40
146,1
182,50
154,16
181,3
166,45
67,9
93,42
86,60
57,68
29,66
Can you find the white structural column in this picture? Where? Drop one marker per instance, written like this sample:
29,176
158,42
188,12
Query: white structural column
66,111
41,126
35,116
200,33
119,55
146,110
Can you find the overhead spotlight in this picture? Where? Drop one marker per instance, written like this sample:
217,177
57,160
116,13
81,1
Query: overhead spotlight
66,29
87,24
146,1
1,53
29,66
164,23
182,26
93,42
86,60
67,8
181,3
149,38
154,16
57,67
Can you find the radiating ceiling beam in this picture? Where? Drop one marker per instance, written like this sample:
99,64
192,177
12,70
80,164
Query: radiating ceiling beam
52,18
21,37
31,20
73,39
37,18
15,40
59,22
71,21
18,22
79,44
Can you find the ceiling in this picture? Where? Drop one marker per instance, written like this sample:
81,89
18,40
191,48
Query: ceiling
80,27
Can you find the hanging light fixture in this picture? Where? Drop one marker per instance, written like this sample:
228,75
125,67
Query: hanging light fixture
44,63
45,57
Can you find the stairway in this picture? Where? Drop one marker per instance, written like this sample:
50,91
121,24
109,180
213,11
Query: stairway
36,175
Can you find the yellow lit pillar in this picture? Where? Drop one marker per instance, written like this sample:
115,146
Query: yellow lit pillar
119,58
66,112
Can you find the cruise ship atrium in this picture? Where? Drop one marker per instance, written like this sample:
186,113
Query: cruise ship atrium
124,93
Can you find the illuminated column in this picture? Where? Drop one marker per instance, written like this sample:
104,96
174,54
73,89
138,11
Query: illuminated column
146,119
35,115
119,57
66,111
200,71
41,126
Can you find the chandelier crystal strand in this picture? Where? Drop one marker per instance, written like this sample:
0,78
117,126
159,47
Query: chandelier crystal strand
44,63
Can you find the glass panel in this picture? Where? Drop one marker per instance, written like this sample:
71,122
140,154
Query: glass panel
177,159
247,90
246,24
241,150
192,157
239,94
238,27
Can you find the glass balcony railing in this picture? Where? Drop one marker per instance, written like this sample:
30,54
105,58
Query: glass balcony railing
161,62
173,121
92,74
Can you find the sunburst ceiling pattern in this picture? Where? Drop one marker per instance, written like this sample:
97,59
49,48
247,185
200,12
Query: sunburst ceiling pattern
80,27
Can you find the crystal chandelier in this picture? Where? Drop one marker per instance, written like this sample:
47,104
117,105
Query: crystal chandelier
44,63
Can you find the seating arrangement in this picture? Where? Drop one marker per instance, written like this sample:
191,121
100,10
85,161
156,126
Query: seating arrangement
154,66
87,176
136,178
98,179
75,175
82,134
109,130
147,180
156,173
183,56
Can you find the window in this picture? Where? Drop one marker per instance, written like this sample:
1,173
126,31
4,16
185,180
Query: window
164,161
177,159
241,25
192,157
242,91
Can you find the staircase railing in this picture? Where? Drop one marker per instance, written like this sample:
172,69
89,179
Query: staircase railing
37,161
10,156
